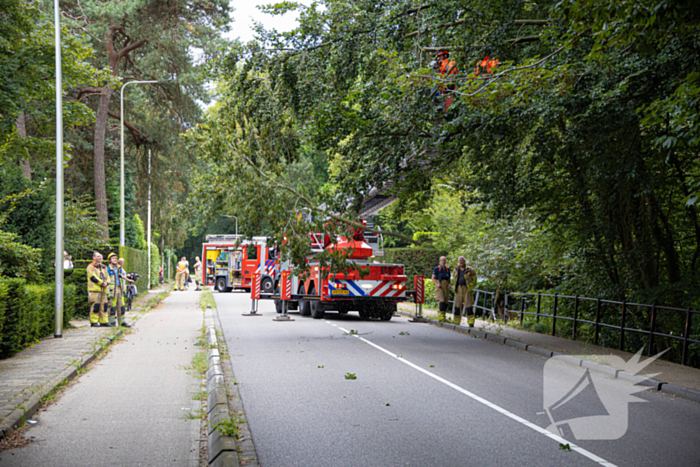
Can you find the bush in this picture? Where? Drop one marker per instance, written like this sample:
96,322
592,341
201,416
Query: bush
137,261
417,261
78,280
27,313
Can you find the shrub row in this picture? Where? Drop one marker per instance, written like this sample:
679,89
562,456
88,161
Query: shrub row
78,279
27,313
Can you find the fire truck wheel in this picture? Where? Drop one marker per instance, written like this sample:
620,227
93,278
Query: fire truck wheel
304,305
266,285
221,285
278,306
386,316
364,314
317,309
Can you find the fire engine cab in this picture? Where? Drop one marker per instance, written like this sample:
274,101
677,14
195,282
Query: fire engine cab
230,262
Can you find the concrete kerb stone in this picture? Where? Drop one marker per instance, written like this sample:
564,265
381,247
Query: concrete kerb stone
213,361
603,369
225,459
496,339
214,370
222,450
217,397
216,416
211,353
219,444
539,351
211,338
680,391
516,344
18,416
217,381
568,359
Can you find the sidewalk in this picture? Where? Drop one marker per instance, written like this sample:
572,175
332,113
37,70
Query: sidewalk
138,405
672,373
31,377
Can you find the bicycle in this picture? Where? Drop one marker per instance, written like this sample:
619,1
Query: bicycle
131,290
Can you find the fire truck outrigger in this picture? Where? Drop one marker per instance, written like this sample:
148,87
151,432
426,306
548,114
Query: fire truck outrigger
372,289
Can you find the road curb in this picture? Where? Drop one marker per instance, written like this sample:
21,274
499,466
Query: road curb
222,450
652,384
17,417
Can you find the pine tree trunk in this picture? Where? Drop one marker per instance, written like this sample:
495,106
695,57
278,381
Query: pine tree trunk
99,159
24,162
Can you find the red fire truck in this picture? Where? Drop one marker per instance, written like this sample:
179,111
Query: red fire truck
372,289
230,262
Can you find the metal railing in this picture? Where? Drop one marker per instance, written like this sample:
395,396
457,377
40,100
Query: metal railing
580,311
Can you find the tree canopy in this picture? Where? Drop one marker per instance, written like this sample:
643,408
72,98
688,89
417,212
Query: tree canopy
586,125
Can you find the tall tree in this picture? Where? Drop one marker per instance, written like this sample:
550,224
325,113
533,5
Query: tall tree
146,39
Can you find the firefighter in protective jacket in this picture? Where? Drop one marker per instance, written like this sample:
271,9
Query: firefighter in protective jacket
441,279
117,289
97,284
448,71
465,281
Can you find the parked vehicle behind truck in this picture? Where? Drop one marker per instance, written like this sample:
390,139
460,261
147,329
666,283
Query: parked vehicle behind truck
230,262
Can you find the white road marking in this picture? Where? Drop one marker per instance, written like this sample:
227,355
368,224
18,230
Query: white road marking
489,404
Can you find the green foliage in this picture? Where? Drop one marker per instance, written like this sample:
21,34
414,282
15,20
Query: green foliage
137,261
26,73
27,313
416,261
18,259
78,280
139,233
155,264
581,142
81,228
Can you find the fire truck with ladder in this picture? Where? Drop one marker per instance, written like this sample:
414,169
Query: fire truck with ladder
372,289
230,262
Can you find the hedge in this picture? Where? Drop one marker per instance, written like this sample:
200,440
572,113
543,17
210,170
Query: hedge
417,261
78,279
27,313
137,261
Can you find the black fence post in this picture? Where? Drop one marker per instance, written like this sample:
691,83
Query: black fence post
554,315
539,300
597,321
522,309
622,325
573,332
686,334
651,328
505,308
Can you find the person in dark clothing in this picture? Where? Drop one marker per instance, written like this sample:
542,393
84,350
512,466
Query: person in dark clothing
441,279
465,281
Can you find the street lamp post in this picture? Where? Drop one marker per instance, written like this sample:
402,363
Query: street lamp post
122,242
235,217
149,219
58,278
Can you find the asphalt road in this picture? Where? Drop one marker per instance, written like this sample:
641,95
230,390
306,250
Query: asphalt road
131,408
428,397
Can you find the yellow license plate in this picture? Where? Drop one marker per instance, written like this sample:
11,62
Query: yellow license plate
340,292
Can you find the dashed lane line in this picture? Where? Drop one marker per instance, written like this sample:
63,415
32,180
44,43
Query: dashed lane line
489,404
